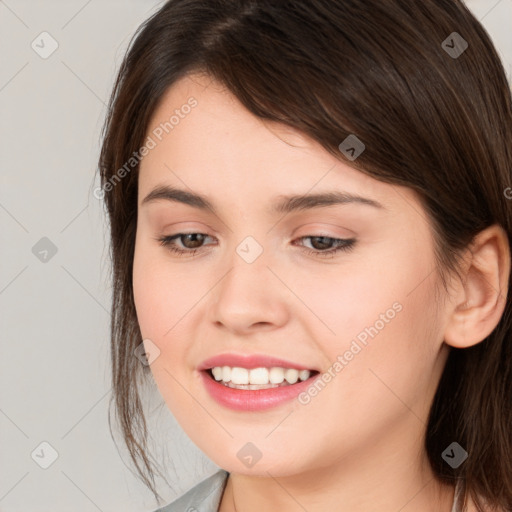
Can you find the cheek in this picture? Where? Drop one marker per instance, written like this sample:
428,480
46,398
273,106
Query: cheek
165,300
147,291
380,312
349,300
382,357
159,309
154,290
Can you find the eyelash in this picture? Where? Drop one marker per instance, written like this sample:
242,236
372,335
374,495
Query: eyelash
345,245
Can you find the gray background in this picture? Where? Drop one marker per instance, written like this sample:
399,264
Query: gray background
54,308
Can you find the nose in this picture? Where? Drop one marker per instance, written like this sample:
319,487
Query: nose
250,297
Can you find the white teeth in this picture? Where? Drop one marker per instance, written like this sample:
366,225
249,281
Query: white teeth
256,378
226,373
304,374
239,375
276,375
292,376
217,373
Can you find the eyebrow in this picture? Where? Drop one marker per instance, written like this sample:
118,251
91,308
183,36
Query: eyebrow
284,204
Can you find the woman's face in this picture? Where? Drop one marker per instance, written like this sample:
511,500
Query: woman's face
365,318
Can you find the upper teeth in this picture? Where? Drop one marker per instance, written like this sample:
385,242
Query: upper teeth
275,375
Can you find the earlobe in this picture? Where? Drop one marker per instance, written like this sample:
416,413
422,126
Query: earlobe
480,300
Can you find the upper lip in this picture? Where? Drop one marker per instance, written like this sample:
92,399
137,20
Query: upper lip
249,361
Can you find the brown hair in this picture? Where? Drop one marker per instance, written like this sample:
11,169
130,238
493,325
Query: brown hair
431,119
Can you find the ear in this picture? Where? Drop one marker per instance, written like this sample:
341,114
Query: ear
478,303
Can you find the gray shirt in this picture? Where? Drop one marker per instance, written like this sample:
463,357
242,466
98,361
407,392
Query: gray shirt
206,496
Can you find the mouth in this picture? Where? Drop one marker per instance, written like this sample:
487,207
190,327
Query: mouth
258,378
254,382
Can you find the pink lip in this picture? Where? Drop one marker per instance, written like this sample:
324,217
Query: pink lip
254,399
250,361
251,399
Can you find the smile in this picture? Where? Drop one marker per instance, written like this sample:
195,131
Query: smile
258,378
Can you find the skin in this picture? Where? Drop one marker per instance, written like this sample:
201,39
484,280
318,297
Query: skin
358,445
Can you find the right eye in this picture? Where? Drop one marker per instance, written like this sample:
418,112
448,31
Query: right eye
194,239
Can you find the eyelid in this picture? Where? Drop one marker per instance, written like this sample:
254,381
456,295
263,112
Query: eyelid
319,227
187,227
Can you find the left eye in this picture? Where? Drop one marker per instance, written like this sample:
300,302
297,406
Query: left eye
341,244
196,239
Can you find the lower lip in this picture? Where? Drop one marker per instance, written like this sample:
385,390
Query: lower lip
253,399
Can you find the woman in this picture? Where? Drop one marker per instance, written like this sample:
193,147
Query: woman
310,218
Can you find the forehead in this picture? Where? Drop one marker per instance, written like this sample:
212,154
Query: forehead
219,116
217,146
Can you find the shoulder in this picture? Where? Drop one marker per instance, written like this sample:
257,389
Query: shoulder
203,497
